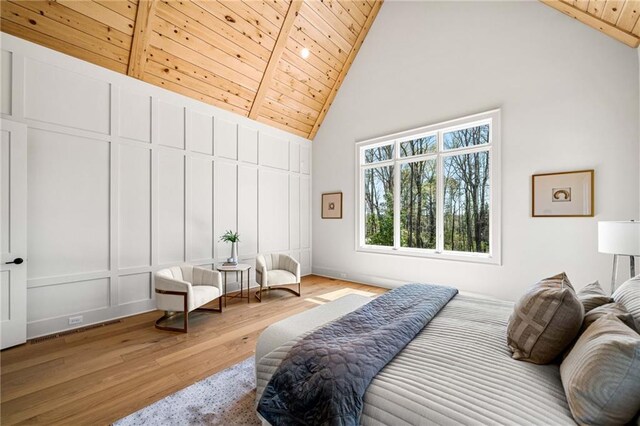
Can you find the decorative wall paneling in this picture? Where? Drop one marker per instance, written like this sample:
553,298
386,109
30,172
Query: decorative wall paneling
125,178
616,18
242,56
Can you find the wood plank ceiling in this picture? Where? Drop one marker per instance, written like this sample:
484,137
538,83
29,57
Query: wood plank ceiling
243,56
616,18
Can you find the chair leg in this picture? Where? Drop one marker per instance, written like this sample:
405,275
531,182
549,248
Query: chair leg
167,316
218,309
283,288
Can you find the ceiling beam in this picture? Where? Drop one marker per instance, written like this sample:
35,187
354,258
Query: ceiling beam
345,69
611,30
276,54
141,36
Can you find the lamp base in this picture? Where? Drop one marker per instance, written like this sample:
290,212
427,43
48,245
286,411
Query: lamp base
614,274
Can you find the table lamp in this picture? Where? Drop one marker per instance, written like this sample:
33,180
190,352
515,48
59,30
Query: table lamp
621,238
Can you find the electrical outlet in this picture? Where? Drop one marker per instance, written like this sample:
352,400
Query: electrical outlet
342,275
75,320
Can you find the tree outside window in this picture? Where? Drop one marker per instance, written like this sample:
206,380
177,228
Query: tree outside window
443,191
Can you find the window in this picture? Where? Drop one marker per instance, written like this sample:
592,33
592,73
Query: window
432,191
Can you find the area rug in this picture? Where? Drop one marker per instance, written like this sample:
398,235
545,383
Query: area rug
226,398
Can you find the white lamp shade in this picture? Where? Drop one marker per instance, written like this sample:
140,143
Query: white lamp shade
619,238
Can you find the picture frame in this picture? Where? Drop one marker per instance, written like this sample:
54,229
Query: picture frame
563,194
332,205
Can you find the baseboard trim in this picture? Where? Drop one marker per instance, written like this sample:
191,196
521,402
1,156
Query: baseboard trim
52,326
373,280
48,337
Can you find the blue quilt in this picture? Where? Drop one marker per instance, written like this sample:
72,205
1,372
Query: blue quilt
323,378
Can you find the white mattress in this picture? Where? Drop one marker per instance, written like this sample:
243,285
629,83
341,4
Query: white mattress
289,328
458,369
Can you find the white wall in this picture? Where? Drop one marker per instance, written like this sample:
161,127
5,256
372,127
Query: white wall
125,178
569,100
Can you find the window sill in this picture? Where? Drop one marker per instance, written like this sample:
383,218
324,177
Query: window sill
431,254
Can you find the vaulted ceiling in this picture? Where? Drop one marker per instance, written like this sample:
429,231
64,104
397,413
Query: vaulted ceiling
244,56
616,18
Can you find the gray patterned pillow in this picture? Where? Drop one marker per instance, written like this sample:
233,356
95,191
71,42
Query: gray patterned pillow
629,295
592,295
616,309
545,321
601,374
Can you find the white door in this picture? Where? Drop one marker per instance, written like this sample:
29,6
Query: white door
13,233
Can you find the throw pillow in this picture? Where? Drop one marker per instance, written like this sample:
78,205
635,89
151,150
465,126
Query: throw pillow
592,295
545,321
601,374
629,295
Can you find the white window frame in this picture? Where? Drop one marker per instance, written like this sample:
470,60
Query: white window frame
439,129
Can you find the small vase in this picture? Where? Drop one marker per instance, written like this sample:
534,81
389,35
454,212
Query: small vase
234,252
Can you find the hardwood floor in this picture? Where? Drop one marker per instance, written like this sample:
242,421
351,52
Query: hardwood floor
100,375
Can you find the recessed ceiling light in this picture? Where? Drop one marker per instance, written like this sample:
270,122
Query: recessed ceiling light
305,53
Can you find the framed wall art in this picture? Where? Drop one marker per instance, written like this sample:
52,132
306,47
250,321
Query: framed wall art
564,194
332,205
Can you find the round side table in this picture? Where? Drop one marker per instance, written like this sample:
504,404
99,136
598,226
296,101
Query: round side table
242,268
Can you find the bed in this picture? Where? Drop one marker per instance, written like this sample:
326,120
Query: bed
457,370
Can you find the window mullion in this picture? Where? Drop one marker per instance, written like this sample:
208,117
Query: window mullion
361,208
396,199
440,197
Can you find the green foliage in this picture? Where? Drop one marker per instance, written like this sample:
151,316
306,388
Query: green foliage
230,237
465,200
382,226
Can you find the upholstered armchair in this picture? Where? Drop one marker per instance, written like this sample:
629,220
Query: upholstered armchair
277,270
184,289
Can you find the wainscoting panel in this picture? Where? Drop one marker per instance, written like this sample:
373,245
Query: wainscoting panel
5,82
274,152
134,207
135,116
305,160
201,133
201,208
247,208
305,262
75,100
171,125
294,212
248,145
126,178
305,212
68,204
294,157
226,138
274,211
226,217
134,288
79,296
171,199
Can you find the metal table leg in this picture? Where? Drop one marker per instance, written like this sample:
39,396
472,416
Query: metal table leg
225,289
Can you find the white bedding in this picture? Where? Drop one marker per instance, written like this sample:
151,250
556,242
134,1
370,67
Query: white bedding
458,369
